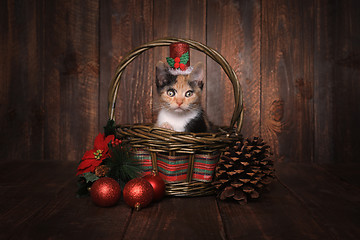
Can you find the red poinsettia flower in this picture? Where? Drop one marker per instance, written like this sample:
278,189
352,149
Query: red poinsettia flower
94,157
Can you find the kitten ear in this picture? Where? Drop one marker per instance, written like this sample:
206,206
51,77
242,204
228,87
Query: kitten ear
161,74
197,74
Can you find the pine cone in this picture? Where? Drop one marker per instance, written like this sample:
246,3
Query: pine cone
243,170
101,170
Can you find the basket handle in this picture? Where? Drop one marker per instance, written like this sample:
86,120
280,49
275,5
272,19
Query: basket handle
237,117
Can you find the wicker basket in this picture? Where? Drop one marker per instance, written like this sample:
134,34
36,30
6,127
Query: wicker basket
163,142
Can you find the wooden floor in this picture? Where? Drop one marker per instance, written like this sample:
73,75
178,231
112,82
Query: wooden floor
304,202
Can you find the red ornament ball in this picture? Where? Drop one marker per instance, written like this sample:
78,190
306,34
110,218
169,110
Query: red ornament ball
177,59
176,65
158,185
138,193
105,192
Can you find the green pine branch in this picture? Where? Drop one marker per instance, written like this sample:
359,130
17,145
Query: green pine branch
122,167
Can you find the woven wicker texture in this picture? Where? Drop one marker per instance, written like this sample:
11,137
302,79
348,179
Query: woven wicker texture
159,140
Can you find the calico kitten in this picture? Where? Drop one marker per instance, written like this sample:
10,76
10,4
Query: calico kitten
180,97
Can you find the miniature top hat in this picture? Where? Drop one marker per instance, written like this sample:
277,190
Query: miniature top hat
179,60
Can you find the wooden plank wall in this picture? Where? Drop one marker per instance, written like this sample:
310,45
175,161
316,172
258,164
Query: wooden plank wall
297,61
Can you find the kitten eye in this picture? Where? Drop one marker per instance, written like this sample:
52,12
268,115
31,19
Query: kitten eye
171,92
189,93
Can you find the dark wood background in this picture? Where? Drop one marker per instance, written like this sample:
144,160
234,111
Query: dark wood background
298,63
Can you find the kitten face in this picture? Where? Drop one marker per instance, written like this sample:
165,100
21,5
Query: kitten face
180,96
181,93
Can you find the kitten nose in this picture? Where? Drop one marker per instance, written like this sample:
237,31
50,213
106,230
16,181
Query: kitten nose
179,102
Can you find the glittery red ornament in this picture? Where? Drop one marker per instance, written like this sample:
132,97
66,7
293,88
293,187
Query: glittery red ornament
158,185
105,192
138,193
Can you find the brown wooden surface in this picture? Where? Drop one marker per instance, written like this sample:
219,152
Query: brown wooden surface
298,63
70,77
345,172
323,96
337,67
334,204
49,85
234,31
22,113
287,78
125,25
306,202
346,70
